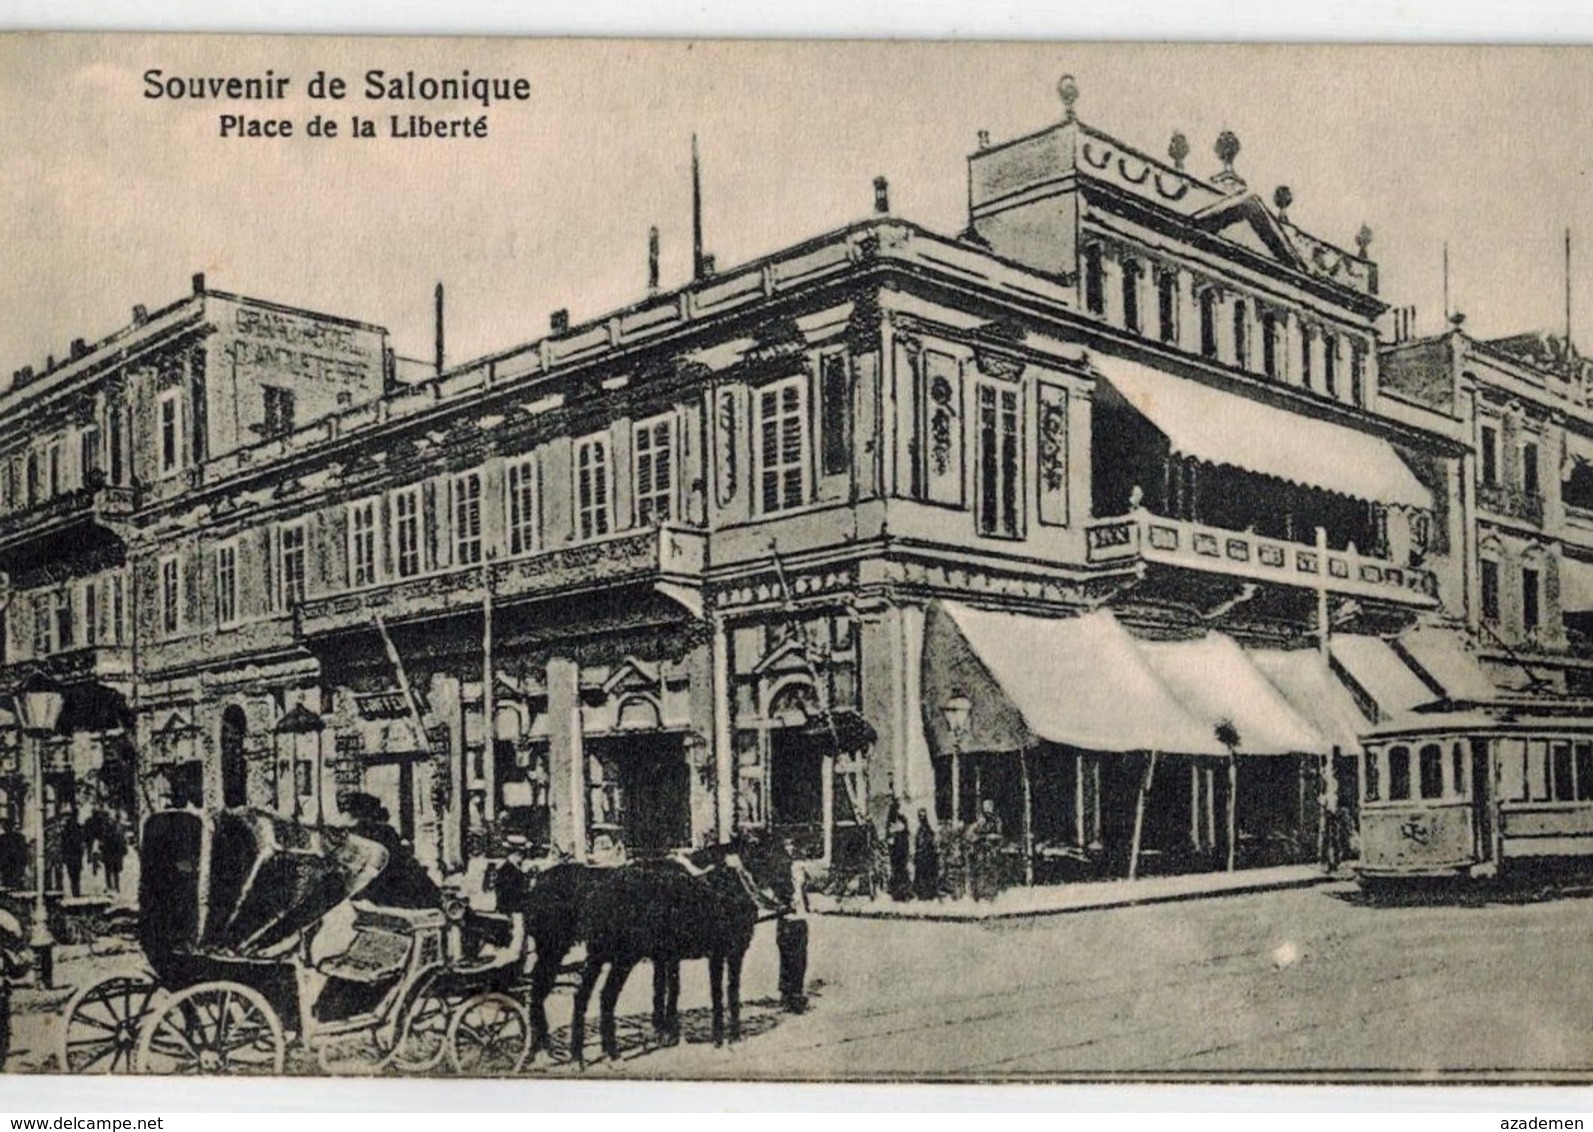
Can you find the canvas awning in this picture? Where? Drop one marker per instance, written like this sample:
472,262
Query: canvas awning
1215,680
1079,681
1576,585
1443,656
1391,685
1224,428
1307,682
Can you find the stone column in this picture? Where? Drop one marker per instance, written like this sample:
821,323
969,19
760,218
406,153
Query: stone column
566,758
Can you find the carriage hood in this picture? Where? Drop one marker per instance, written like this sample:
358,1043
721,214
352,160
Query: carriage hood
242,883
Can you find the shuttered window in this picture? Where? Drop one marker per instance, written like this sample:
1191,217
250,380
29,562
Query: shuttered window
653,456
592,487
783,445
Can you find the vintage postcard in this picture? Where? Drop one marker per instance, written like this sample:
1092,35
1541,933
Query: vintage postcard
795,561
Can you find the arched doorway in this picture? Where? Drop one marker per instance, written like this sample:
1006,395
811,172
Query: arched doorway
234,766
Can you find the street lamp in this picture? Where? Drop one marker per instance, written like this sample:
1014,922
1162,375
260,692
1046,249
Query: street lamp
957,711
39,702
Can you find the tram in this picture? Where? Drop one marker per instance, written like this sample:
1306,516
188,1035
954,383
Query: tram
1476,794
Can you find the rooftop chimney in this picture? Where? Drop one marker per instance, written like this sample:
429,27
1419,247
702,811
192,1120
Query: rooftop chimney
882,195
199,282
140,315
560,321
652,261
708,267
984,139
49,362
79,348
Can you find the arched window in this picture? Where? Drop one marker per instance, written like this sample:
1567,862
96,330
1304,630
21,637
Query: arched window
1208,323
1167,305
1330,364
1398,774
1269,344
234,767
1241,335
1373,784
1457,755
1432,771
1131,277
1094,280
1306,335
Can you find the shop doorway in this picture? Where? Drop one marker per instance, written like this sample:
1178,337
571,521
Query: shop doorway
643,792
796,787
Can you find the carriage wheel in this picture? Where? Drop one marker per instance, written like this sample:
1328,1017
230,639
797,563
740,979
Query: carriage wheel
213,1028
99,1033
489,1036
422,1032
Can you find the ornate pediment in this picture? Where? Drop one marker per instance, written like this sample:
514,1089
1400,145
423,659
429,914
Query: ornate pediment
1244,220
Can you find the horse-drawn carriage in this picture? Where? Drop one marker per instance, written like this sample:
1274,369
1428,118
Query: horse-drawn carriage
231,908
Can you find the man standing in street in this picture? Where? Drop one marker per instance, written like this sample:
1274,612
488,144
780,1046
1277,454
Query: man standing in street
791,931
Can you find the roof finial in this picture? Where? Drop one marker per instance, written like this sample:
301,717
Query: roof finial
1363,240
1178,149
1282,198
1067,89
1227,148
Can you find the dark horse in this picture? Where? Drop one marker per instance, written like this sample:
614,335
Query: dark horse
667,911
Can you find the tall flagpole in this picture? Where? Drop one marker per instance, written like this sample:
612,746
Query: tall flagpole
1568,291
696,213
1446,282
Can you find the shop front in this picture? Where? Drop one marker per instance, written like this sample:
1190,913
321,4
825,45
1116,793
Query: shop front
1095,753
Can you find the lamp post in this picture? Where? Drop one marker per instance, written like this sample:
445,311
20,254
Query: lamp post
957,711
39,702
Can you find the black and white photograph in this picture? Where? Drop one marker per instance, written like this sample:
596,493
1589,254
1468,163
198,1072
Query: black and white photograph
690,560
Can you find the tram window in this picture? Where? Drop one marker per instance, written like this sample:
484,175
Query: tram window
1457,767
1398,773
1564,784
1432,771
1584,772
1373,785
1512,770
1538,769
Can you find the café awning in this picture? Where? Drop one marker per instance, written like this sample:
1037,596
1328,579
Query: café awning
1215,680
1443,656
1307,682
1079,681
1207,424
1388,682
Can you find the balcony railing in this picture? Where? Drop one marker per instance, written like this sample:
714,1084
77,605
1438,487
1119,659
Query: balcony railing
663,554
1174,542
85,662
97,502
1511,502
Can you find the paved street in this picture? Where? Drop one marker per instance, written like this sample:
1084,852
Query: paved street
1193,987
1279,982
